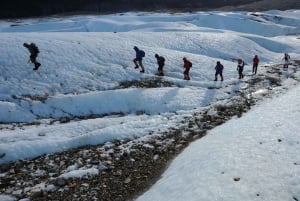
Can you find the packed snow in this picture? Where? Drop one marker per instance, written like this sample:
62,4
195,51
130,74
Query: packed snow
255,157
85,58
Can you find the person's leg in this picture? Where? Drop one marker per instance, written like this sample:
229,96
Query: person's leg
135,63
37,64
162,70
240,74
285,65
33,58
185,74
159,70
221,74
141,65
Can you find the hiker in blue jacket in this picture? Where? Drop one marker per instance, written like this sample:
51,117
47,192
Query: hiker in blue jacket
139,58
219,71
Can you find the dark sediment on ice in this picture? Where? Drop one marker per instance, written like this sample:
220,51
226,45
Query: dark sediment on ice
126,168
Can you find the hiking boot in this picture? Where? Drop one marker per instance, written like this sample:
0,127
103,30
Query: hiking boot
136,67
142,71
37,65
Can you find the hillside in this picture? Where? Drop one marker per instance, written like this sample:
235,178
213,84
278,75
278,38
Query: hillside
264,5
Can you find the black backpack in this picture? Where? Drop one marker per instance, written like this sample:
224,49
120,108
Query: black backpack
161,60
34,48
191,64
142,53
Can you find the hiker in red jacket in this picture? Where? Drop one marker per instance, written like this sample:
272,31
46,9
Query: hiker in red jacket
255,64
187,65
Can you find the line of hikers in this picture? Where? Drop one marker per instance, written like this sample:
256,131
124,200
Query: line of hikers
240,67
138,61
188,64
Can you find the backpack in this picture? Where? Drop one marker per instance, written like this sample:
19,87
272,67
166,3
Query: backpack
34,48
190,64
142,53
161,60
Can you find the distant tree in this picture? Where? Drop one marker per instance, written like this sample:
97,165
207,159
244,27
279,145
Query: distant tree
31,8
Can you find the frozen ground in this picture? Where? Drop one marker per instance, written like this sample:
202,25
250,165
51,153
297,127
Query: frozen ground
84,60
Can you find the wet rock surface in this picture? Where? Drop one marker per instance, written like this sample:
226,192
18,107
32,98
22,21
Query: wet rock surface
125,169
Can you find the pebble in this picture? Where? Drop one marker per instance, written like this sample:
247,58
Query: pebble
131,163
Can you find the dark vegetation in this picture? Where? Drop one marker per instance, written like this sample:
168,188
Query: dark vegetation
34,8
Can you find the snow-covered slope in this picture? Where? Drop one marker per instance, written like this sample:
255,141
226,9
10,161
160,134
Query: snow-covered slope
80,63
81,74
270,23
251,158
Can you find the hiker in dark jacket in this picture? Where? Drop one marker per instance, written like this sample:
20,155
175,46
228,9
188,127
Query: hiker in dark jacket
286,60
34,51
139,54
240,68
219,71
161,63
